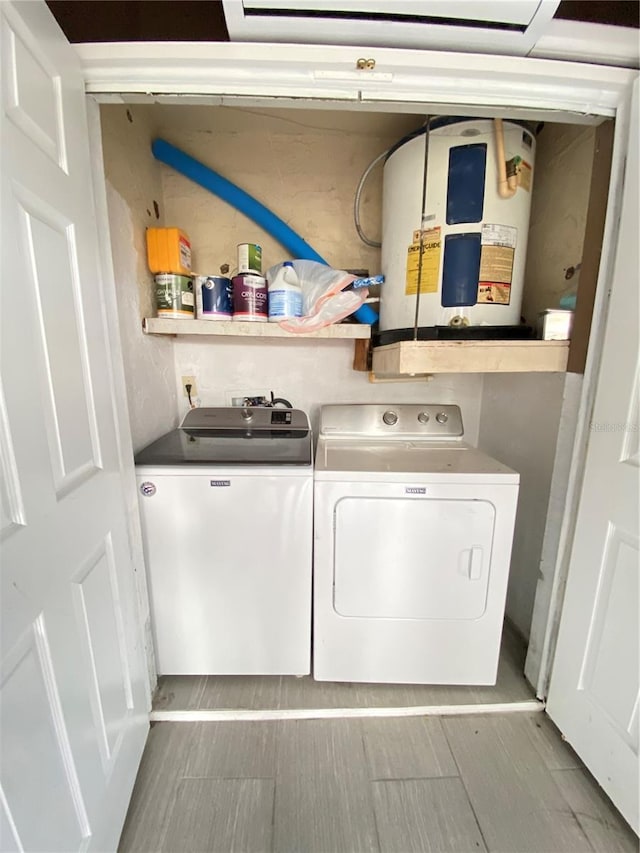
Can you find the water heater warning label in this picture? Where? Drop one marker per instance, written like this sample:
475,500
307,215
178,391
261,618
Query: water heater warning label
427,273
496,264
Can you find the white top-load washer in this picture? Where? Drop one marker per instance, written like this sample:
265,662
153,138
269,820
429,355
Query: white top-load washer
226,506
412,545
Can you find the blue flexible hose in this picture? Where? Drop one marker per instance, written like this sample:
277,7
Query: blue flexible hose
229,192
247,204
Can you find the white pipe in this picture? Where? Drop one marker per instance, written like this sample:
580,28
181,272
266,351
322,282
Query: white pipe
506,186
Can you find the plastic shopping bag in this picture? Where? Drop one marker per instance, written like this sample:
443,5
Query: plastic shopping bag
325,300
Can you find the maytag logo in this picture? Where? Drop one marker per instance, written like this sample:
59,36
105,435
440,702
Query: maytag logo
220,482
415,490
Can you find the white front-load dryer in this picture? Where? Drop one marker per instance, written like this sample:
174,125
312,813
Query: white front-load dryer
413,534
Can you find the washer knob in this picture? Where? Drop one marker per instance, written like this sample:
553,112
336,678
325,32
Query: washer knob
390,418
442,417
247,414
423,417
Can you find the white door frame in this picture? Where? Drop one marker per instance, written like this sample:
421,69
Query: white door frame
419,79
325,77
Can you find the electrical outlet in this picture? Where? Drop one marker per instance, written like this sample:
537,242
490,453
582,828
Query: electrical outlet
189,380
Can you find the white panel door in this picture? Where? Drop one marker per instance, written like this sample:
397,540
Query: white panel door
594,689
72,680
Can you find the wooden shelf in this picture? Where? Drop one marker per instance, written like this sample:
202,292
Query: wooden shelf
401,359
420,357
165,326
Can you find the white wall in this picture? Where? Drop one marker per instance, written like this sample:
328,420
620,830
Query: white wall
303,164
133,184
544,615
309,374
564,161
519,426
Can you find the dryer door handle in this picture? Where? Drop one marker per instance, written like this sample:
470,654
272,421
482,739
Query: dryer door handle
475,563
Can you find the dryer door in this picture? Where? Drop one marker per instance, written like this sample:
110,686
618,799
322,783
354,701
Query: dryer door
408,558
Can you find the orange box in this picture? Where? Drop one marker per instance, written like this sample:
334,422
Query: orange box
168,250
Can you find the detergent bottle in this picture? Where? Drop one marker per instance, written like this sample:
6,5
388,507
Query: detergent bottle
285,294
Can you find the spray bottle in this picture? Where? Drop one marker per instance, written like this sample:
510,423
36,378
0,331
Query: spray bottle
285,294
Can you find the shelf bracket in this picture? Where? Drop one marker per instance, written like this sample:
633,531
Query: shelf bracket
362,355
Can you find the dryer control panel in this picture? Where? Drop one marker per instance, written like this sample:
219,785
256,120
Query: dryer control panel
405,420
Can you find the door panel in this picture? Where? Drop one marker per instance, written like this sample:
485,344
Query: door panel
47,777
50,244
614,619
97,611
32,92
595,682
412,559
631,445
73,693
12,513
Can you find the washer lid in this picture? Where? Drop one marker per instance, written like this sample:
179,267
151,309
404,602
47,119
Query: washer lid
234,436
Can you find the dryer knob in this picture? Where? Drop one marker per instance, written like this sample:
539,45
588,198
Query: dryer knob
423,417
442,417
390,418
247,414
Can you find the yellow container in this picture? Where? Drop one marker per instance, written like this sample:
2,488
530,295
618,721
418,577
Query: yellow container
168,251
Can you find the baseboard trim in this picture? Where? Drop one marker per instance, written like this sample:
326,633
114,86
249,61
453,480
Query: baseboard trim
220,715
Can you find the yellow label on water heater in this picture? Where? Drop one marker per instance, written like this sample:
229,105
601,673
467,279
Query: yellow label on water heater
429,272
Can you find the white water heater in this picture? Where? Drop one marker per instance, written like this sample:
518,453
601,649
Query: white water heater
468,250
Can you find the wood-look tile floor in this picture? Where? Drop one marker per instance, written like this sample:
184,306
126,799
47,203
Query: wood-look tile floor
195,692
394,785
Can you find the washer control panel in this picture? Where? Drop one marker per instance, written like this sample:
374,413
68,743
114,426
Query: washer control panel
256,418
406,420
